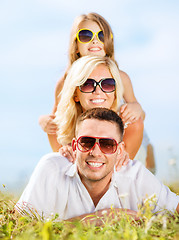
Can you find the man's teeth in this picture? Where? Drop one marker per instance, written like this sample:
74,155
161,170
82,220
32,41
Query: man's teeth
97,100
95,164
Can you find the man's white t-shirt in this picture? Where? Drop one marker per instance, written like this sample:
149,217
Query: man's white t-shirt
55,187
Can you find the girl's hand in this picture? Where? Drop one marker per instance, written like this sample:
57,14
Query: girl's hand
47,124
67,152
122,161
131,112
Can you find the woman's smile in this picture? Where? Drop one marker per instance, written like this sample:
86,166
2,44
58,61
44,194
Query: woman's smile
97,100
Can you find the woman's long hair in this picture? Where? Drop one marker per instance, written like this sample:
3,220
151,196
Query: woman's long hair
68,110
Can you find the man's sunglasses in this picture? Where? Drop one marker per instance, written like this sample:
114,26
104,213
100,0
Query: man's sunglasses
107,145
107,85
86,35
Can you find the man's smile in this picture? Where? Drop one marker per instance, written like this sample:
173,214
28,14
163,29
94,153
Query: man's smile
94,164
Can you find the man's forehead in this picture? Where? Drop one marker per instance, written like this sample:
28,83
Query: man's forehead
96,126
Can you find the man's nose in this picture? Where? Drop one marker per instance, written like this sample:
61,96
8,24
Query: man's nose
96,151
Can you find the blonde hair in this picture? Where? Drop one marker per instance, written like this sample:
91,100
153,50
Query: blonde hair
105,27
68,110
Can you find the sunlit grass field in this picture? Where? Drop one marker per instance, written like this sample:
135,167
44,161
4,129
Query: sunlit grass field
161,226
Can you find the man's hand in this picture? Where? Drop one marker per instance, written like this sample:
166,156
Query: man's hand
98,218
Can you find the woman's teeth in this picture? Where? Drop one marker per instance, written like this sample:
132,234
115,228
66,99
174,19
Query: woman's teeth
97,100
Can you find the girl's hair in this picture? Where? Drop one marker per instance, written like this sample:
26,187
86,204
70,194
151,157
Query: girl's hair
105,27
68,110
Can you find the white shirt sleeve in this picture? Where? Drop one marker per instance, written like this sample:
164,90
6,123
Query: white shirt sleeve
148,185
40,193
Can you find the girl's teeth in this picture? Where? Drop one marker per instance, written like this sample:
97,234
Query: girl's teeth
94,49
95,164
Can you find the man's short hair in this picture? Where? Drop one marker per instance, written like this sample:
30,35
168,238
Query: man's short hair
102,114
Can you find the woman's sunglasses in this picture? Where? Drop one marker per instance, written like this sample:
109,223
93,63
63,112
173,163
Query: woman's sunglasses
107,85
86,35
107,145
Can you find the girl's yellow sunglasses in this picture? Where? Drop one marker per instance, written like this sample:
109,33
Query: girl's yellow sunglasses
87,35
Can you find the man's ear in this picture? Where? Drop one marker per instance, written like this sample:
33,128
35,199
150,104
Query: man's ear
120,149
73,144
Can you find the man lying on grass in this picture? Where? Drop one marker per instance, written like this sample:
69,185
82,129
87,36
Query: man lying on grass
92,185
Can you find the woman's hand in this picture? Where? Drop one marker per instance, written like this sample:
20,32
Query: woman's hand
122,160
67,152
131,112
47,124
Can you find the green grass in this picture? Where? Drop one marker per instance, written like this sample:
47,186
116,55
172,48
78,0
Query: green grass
151,227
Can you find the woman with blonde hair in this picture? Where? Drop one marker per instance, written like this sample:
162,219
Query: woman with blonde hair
92,81
69,108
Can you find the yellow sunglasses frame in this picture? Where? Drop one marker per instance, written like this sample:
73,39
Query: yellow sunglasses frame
77,35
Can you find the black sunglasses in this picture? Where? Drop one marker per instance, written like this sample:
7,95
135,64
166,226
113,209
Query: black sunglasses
107,145
106,84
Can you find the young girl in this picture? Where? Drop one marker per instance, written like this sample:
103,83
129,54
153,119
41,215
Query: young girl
92,35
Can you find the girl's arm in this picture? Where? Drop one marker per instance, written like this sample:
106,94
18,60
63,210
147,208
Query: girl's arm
132,109
53,138
131,112
47,124
46,121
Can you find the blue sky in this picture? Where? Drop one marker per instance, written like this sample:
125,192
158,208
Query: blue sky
33,56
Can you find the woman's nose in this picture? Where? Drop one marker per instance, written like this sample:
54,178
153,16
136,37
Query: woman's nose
98,90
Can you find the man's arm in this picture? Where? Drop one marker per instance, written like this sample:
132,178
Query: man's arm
99,217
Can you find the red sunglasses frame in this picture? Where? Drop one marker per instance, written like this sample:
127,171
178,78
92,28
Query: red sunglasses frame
97,142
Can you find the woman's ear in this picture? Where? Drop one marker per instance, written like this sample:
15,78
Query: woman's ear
76,99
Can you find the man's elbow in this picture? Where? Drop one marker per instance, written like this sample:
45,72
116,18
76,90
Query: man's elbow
177,209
